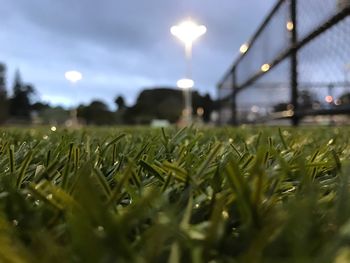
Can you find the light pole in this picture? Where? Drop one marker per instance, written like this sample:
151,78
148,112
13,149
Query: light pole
73,77
187,31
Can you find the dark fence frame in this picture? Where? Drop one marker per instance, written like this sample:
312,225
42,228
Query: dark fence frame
291,52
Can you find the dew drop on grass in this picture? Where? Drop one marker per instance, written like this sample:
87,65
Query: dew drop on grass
196,206
37,203
45,137
230,140
49,196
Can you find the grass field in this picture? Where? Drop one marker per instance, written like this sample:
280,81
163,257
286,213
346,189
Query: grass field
190,195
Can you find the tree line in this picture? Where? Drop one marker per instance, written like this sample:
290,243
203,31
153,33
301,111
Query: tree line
18,105
155,103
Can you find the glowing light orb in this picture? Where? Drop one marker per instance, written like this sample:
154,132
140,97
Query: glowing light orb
73,76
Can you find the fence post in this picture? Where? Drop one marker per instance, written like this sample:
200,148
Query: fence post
234,120
294,63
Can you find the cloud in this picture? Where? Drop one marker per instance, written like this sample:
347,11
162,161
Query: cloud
121,46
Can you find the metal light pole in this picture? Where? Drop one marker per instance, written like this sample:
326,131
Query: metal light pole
187,31
73,77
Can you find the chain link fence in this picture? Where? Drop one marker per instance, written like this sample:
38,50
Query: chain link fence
296,67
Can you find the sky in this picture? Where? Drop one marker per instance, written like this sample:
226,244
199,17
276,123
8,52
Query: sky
120,47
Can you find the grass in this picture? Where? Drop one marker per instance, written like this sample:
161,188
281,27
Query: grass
191,195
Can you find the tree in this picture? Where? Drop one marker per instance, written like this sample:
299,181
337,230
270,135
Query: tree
120,102
345,99
48,114
158,103
40,106
97,113
165,103
205,102
120,115
3,94
20,105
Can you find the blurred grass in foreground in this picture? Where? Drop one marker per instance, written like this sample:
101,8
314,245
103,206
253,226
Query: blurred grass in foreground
190,195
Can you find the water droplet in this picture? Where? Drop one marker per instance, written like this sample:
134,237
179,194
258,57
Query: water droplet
196,206
49,196
230,140
45,137
37,202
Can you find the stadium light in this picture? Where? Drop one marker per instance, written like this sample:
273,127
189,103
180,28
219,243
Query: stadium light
73,77
188,31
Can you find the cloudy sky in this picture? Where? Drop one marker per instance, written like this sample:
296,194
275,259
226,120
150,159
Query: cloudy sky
119,46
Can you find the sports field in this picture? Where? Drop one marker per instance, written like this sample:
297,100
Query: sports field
248,194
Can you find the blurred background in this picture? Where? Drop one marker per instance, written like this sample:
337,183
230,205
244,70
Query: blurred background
294,69
109,62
